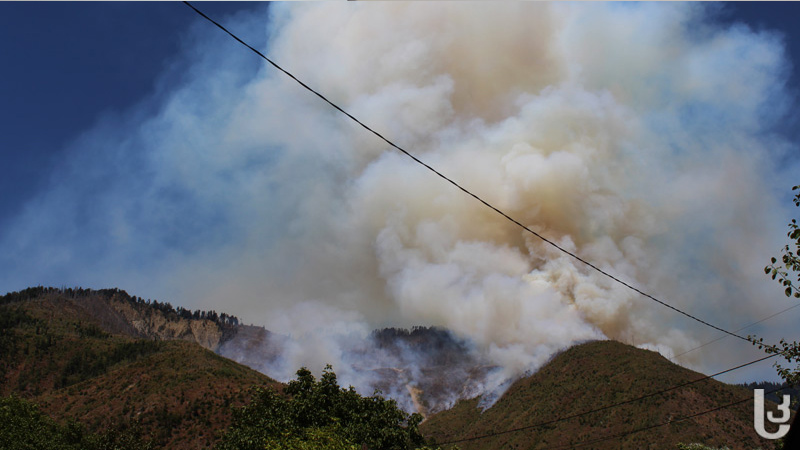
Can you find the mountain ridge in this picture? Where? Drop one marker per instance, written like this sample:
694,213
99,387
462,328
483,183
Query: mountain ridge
108,359
624,373
72,353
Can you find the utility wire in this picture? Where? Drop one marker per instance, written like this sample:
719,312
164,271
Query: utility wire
603,408
736,331
662,424
544,239
476,197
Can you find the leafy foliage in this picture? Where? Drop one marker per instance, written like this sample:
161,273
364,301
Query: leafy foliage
122,436
24,427
696,446
790,262
320,415
790,351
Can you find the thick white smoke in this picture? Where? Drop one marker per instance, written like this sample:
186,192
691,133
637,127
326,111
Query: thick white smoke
638,136
634,136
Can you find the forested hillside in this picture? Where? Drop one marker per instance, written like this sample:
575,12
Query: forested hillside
109,370
554,407
75,354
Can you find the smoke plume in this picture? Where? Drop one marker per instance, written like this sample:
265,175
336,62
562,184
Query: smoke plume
640,137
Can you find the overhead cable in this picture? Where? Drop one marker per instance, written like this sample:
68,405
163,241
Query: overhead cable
476,197
735,331
603,408
661,424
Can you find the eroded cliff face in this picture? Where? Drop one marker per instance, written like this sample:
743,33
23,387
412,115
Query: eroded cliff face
155,324
425,369
118,313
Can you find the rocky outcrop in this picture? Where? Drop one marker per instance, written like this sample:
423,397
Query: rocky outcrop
116,312
155,324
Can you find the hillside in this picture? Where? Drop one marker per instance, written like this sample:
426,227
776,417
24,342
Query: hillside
425,369
113,361
589,376
117,312
78,357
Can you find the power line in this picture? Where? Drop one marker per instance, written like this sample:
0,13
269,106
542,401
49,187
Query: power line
662,424
603,408
466,191
544,239
736,331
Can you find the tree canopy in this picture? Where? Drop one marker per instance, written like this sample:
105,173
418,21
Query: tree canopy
786,271
318,414
24,427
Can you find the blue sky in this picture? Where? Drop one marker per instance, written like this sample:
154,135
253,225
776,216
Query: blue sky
144,149
69,64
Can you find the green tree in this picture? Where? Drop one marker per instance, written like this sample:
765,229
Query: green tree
786,271
24,427
329,438
696,446
320,415
790,259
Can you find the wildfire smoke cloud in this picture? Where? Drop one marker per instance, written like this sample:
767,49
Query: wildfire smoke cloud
637,136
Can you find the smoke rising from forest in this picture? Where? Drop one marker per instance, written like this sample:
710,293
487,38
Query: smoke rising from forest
638,136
